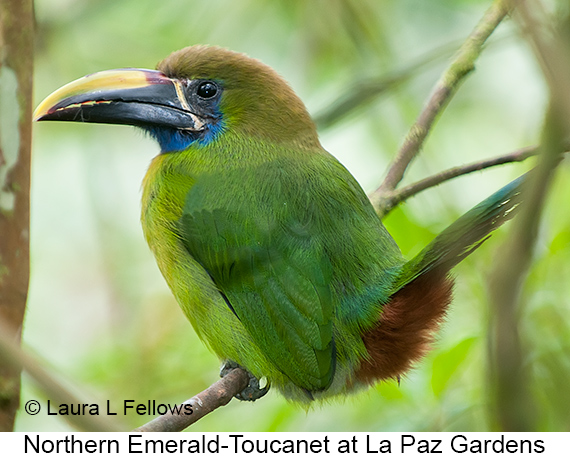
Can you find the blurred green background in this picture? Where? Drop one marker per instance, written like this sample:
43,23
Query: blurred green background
100,314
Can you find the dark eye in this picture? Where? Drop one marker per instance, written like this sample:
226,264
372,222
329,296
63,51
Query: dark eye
207,89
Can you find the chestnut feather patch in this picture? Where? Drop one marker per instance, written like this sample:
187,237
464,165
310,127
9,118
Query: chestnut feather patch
406,327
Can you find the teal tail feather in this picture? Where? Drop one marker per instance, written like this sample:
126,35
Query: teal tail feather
464,235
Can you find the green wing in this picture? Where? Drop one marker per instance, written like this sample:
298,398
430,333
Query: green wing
275,277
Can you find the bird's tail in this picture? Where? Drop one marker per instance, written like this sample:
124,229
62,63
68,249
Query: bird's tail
465,235
422,289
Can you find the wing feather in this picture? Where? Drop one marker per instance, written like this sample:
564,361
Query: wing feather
275,276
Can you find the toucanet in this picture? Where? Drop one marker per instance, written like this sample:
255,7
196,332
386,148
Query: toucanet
268,243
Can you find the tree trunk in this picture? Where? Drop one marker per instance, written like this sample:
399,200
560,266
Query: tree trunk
16,64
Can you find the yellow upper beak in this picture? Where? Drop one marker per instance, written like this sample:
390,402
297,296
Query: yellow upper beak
94,84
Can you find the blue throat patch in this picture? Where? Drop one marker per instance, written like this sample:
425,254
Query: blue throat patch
173,140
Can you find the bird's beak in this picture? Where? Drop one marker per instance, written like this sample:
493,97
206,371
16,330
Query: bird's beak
144,98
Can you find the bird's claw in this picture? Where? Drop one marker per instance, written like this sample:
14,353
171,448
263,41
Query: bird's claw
253,391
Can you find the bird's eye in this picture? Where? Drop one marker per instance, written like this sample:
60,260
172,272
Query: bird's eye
207,89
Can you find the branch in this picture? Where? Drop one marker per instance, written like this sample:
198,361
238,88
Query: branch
218,394
16,65
444,89
384,203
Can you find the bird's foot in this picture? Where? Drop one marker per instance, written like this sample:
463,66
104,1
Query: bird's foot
253,391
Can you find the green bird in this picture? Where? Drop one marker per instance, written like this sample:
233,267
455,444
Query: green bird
268,243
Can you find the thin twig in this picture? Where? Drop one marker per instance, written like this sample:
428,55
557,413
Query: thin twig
384,203
12,355
218,394
445,88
